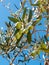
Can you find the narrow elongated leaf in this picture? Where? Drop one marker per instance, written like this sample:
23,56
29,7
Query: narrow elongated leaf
18,35
30,15
35,52
46,38
15,6
16,31
8,24
13,19
43,45
29,37
35,4
32,3
37,21
24,13
45,50
8,56
19,40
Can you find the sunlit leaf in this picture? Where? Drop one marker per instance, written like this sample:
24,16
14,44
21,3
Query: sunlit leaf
35,52
45,50
19,38
43,45
37,21
42,9
25,31
31,27
18,35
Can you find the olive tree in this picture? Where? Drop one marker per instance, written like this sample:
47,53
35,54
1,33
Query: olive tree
23,37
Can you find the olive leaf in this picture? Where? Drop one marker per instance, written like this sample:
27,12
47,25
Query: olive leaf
15,6
24,13
45,38
13,19
29,38
42,45
30,15
45,50
35,52
8,24
37,21
19,39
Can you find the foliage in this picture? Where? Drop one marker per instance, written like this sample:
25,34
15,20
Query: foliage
18,36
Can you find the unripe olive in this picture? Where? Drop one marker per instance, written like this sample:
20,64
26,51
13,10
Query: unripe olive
19,25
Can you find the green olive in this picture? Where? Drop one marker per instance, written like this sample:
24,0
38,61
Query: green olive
19,25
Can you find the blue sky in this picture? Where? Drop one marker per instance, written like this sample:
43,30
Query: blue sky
4,13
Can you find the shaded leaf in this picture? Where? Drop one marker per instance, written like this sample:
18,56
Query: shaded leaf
8,56
17,30
15,6
29,37
35,4
46,38
30,15
40,24
13,19
8,24
24,13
